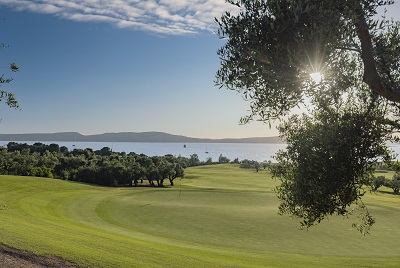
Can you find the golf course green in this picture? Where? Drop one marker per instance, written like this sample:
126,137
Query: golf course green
217,216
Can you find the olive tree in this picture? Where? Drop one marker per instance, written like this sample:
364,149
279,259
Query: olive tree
340,65
377,182
394,183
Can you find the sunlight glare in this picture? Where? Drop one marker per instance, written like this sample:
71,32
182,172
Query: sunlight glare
317,77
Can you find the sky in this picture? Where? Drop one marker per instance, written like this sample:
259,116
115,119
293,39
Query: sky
96,66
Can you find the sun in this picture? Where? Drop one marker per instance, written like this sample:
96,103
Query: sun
317,77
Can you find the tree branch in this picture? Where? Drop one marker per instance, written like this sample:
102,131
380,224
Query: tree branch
349,48
371,76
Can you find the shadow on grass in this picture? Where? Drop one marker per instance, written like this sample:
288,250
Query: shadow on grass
387,192
140,185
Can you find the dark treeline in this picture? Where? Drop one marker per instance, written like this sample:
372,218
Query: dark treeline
103,167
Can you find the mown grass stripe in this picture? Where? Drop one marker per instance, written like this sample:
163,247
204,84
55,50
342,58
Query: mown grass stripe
222,216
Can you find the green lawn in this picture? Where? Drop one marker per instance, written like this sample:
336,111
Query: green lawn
220,216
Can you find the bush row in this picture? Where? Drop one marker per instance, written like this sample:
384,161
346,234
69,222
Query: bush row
103,167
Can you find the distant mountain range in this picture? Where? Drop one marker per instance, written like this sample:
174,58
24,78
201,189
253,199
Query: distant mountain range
127,137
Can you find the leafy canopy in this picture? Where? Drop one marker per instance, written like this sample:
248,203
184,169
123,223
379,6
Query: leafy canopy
341,66
5,96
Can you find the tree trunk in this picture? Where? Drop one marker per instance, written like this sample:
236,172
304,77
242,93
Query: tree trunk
371,76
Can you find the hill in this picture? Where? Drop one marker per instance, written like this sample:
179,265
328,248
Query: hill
129,137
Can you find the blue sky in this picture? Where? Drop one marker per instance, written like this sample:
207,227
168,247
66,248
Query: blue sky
98,66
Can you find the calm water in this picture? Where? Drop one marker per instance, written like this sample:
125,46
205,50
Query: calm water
252,151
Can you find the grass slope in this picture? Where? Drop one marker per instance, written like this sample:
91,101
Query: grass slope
221,216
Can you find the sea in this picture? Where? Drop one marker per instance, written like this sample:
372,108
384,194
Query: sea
252,151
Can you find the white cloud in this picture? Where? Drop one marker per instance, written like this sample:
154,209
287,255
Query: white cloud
172,17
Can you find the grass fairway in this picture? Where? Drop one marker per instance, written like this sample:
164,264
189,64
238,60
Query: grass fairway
221,216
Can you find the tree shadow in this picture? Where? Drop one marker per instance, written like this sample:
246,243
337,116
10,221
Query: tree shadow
389,192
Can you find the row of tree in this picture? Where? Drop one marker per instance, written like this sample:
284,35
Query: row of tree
251,164
394,183
103,167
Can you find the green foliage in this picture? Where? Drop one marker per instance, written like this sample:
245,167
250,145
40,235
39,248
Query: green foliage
5,96
223,159
102,167
272,49
209,161
266,164
327,161
246,163
394,183
377,182
41,172
194,160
